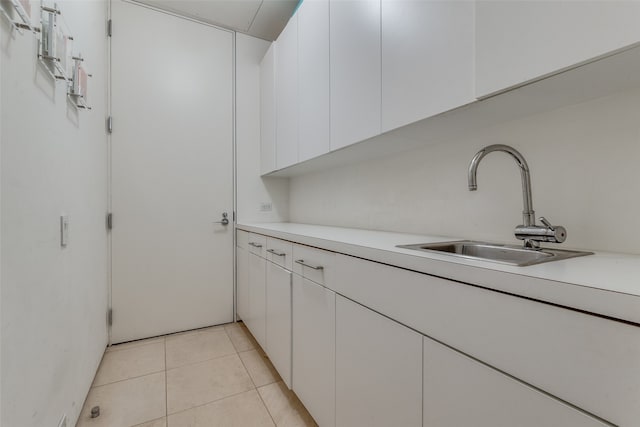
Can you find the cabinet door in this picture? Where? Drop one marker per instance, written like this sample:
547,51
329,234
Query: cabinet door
256,319
287,95
314,343
354,28
268,111
242,282
521,40
459,391
427,58
378,369
278,321
313,79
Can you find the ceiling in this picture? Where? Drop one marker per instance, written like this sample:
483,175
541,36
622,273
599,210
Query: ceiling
264,19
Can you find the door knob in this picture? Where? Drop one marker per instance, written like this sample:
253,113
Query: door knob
224,221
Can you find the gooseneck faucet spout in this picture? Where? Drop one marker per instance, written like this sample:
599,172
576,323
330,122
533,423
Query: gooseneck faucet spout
528,214
531,233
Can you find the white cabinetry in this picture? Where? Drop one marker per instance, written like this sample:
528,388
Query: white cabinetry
459,391
256,318
314,314
268,111
278,320
378,369
287,95
521,40
355,70
427,59
242,284
313,79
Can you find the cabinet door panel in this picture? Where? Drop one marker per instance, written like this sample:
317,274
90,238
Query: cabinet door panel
278,319
256,320
287,95
313,79
458,391
523,40
378,369
268,111
242,284
427,58
354,28
314,333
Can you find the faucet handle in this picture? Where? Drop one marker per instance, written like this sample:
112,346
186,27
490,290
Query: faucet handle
547,223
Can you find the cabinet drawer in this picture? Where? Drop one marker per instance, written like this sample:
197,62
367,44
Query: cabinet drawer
313,264
589,361
280,252
459,391
257,244
242,239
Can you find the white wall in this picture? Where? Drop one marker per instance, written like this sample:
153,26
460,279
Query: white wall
53,161
251,189
584,169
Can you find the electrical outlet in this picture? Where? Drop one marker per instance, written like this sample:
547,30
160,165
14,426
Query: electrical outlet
63,421
265,207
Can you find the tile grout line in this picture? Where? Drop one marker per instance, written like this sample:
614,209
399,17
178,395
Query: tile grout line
213,401
256,388
130,378
166,386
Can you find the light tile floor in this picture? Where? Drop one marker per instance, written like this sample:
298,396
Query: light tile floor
211,377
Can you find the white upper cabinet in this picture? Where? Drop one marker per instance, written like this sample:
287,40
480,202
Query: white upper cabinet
313,79
287,95
427,58
268,111
355,70
521,40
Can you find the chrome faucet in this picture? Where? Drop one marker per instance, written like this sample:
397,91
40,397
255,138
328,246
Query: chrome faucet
528,231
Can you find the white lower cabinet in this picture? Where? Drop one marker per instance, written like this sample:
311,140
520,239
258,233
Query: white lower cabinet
378,369
314,345
256,318
459,391
278,320
242,284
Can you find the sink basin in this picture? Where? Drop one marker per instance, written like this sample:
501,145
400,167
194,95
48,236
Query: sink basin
505,254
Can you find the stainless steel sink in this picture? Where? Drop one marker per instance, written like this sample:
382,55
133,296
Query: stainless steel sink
506,254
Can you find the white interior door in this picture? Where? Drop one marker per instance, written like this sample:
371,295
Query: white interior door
172,173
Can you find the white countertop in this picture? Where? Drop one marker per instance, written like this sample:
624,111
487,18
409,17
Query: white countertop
605,283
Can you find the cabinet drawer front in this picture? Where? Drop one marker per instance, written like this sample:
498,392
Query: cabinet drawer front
589,361
313,264
459,391
242,239
257,244
280,252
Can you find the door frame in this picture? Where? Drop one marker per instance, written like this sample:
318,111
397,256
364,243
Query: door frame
110,164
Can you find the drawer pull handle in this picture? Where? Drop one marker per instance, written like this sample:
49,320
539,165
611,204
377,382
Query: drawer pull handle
315,267
273,251
255,245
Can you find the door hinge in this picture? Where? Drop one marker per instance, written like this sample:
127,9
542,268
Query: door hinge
109,221
109,28
110,317
110,124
